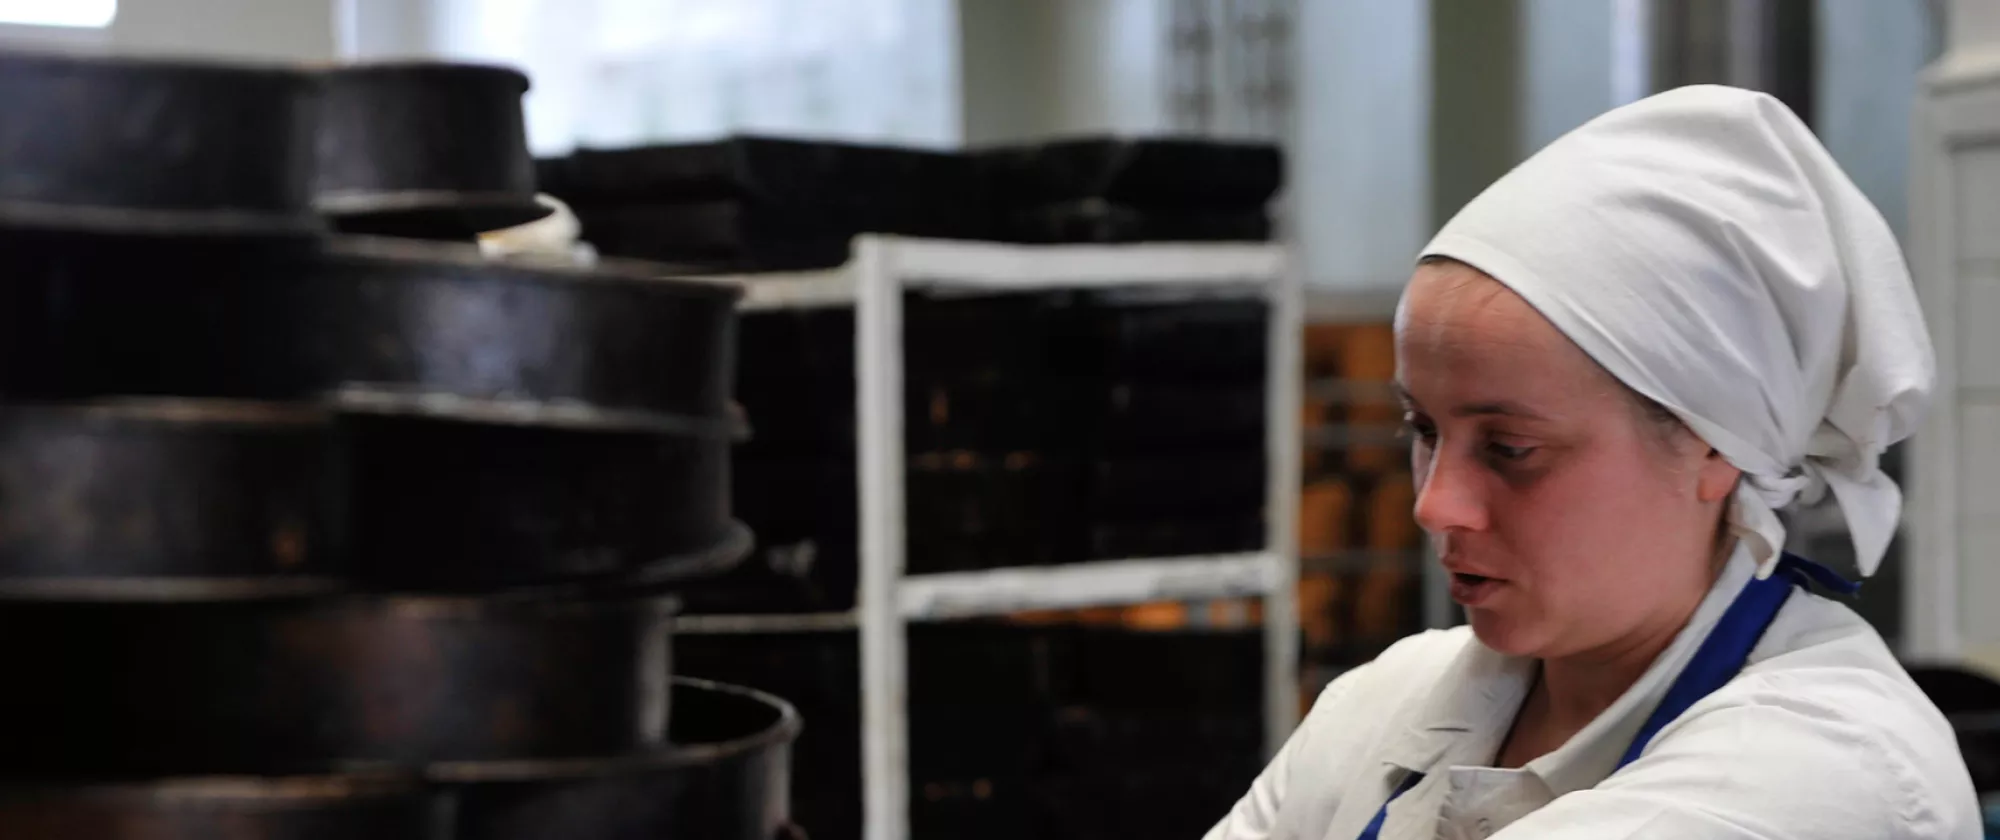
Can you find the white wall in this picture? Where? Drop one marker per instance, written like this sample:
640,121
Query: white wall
264,30
1111,58
1360,164
383,29
1003,69
1579,60
54,37
1870,55
279,30
1954,468
625,72
1972,39
1032,69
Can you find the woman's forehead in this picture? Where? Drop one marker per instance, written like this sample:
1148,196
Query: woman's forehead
1462,332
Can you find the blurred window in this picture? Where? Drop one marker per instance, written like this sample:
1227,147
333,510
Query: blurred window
82,14
624,72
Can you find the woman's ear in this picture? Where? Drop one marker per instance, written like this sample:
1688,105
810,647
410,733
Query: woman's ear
1718,477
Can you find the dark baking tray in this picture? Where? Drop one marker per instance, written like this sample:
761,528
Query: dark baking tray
425,149
223,808
1142,171
726,776
467,504
619,343
151,144
1093,220
781,171
168,499
103,691
378,320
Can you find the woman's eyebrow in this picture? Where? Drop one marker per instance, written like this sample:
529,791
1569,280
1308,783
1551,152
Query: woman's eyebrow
1490,408
1504,408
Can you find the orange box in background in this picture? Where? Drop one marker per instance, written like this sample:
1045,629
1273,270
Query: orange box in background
1312,415
1376,446
1393,540
1322,350
1368,354
1321,362
1392,523
1101,616
1170,615
1040,617
1319,605
1324,509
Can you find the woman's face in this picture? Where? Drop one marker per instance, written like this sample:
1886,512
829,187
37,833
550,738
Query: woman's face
1573,524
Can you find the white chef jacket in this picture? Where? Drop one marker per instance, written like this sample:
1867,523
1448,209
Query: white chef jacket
1822,736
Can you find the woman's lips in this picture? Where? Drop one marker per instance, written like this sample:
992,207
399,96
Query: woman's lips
1472,590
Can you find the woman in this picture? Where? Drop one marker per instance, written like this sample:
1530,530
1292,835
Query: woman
1618,363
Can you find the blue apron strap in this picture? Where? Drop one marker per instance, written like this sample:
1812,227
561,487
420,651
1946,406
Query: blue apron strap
1374,829
1727,648
1806,571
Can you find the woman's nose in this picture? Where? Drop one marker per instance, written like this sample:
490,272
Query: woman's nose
1448,495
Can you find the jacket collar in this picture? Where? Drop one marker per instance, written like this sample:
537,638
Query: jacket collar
1468,711
1475,699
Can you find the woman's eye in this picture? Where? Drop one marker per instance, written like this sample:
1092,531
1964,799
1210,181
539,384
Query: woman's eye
1418,428
1509,453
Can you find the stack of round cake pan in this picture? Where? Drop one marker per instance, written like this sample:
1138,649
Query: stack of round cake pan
308,536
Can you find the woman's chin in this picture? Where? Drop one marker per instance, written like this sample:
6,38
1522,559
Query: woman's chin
1499,634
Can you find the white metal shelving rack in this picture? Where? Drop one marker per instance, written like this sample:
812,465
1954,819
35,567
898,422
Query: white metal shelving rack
873,282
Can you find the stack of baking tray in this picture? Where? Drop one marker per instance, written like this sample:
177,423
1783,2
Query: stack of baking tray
1112,189
1040,429
995,388
1180,462
768,203
315,537
762,203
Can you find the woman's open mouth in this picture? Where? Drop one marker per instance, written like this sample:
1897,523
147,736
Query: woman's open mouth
1472,590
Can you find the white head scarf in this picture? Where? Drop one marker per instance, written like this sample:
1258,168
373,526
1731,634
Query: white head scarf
1703,247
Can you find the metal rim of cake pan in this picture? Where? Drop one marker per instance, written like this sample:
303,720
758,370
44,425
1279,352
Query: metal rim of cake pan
674,756
721,556
86,218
